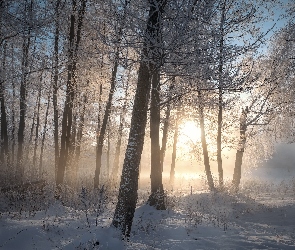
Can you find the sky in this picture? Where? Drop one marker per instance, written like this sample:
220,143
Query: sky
279,21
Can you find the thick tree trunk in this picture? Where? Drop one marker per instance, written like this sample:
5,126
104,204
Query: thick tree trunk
240,151
204,144
156,198
127,198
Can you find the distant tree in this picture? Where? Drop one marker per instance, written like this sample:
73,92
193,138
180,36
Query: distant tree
107,112
67,119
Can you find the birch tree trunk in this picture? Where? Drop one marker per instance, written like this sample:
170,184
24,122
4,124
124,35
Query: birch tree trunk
127,198
240,151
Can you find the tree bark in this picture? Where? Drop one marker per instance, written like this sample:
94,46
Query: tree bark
220,97
204,144
240,151
4,127
55,86
101,136
74,40
43,139
22,101
13,118
127,198
156,198
109,150
37,123
102,131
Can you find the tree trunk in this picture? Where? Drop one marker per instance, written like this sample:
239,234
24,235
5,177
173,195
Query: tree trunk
55,86
23,105
43,139
127,197
73,132
240,151
119,142
37,123
165,136
109,150
219,145
74,41
102,131
4,127
204,144
175,138
220,97
13,119
156,198
78,142
101,136
67,119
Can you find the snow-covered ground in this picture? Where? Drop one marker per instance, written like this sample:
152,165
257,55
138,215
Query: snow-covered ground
261,216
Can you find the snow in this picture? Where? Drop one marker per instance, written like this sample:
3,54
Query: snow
260,216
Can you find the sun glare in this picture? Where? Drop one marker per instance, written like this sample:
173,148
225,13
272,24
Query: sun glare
189,133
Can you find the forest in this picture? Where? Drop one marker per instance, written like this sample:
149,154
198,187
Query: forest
143,124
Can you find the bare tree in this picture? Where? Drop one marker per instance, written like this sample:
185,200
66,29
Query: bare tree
127,198
67,119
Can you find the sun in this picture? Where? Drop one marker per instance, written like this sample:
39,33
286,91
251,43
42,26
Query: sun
189,132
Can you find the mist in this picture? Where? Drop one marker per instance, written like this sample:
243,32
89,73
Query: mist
281,166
